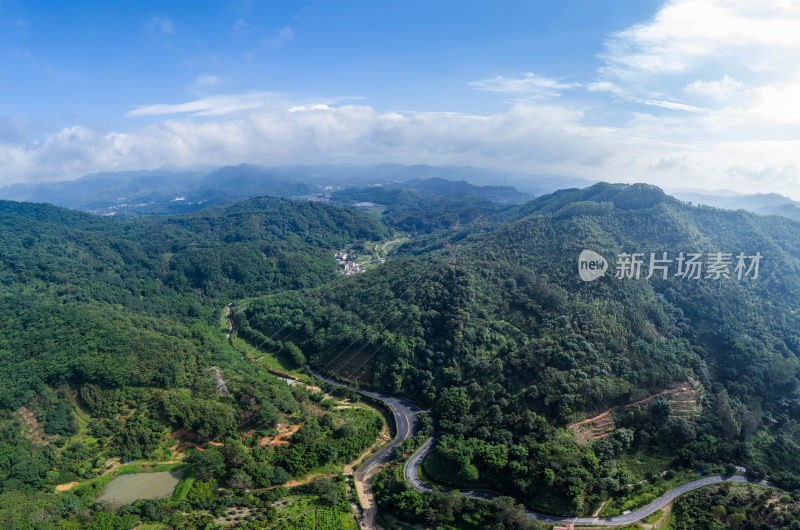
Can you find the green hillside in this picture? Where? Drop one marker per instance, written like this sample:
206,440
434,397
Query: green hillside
569,396
109,342
508,347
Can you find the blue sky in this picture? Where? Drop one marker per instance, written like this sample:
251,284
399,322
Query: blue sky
692,93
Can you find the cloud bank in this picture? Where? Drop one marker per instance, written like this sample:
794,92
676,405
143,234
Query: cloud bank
705,94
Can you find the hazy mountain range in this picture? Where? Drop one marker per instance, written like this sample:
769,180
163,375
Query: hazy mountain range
761,203
133,193
171,191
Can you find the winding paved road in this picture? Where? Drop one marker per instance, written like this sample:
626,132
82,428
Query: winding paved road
405,414
405,419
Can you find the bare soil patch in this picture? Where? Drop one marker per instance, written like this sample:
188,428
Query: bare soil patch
66,487
681,395
284,431
32,428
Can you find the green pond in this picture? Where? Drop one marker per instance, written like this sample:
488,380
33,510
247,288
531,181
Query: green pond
127,489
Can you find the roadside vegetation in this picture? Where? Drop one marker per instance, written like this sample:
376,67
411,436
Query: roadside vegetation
736,506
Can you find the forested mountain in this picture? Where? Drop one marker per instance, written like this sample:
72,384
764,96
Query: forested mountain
493,329
430,205
439,187
560,392
109,342
256,245
75,271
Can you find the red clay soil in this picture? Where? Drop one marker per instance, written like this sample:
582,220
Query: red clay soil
681,396
594,428
187,438
66,487
280,438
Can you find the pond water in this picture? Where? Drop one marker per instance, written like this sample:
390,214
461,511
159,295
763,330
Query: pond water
127,489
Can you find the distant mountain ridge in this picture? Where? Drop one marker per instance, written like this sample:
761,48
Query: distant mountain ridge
432,204
760,203
163,191
439,186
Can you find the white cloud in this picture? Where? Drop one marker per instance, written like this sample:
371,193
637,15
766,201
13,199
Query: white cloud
532,137
280,38
604,86
223,104
687,33
777,103
672,105
203,83
209,106
692,97
718,90
528,84
160,26
206,80
736,65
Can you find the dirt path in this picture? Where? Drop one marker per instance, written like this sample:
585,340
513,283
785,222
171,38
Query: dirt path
227,316
383,437
66,487
593,428
280,438
306,480
362,482
600,508
354,507
365,514
383,248
679,394
369,508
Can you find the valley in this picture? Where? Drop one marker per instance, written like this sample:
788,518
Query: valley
400,265
216,344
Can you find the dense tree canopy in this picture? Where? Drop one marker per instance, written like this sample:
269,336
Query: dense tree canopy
509,346
111,329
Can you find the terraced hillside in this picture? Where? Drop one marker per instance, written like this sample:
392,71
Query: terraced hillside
682,399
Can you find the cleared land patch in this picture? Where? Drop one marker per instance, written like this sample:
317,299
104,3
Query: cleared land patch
33,429
682,398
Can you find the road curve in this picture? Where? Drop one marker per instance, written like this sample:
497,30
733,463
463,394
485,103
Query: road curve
410,472
405,414
405,419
